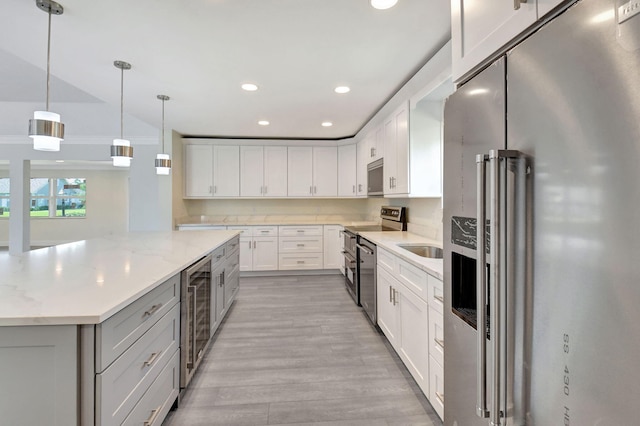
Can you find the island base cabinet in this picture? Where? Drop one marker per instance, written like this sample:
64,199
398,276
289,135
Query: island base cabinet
39,379
158,400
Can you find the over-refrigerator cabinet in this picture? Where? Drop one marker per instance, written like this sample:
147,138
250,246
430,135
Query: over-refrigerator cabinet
540,228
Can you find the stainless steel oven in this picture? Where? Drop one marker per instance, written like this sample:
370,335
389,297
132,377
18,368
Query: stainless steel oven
195,317
351,265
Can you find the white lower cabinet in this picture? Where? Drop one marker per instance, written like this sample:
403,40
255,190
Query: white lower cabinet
258,247
410,316
332,242
300,247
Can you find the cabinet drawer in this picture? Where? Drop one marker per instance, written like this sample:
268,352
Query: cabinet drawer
119,332
245,231
435,292
217,257
300,244
300,261
157,401
265,231
232,247
436,386
414,278
386,260
122,384
300,231
436,335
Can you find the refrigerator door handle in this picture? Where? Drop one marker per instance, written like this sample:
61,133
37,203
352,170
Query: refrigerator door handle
481,286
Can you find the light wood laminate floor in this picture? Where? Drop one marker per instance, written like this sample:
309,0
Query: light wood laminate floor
296,350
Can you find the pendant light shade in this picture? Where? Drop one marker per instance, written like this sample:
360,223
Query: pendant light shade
121,150
163,161
45,128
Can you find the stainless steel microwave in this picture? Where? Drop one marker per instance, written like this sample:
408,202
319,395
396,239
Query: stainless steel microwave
375,178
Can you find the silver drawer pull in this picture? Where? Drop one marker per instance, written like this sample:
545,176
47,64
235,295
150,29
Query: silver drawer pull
300,261
152,358
439,342
300,230
152,418
300,245
265,232
440,397
153,310
439,298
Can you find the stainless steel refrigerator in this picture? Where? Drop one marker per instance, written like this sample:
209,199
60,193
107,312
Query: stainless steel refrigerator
542,173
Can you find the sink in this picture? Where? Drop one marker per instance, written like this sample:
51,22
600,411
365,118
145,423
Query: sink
423,250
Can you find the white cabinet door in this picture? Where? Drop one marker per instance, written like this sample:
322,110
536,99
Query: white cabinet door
226,171
479,30
396,149
251,171
275,171
377,145
198,171
401,177
300,171
265,253
332,247
414,335
325,171
347,169
388,314
362,159
246,254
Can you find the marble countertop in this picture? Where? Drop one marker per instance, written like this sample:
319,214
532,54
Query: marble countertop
389,240
196,221
85,282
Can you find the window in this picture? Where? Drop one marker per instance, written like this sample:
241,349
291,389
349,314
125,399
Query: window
4,197
58,197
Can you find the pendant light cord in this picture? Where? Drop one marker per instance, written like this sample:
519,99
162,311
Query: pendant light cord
48,59
162,126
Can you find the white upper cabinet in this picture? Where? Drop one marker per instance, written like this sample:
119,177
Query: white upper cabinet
479,30
396,152
211,171
300,171
362,158
347,176
251,171
325,171
198,171
312,171
226,177
275,171
263,171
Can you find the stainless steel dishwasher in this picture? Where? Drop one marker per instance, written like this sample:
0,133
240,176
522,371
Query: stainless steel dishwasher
366,255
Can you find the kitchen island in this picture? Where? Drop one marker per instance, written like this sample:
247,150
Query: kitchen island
60,307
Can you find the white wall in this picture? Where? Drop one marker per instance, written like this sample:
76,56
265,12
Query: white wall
107,207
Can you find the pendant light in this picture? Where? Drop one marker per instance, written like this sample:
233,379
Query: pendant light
121,150
163,161
45,128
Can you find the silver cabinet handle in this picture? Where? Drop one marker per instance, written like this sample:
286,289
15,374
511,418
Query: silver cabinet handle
215,189
439,342
439,298
264,232
365,249
299,262
152,418
311,190
359,187
371,152
254,244
481,285
517,3
354,189
265,190
299,245
395,297
390,184
315,189
249,245
210,189
390,295
153,310
440,397
152,358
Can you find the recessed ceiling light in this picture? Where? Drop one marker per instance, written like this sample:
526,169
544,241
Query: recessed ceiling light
342,89
263,122
383,4
249,87
327,124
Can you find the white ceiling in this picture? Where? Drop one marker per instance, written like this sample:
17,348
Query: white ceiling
199,52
